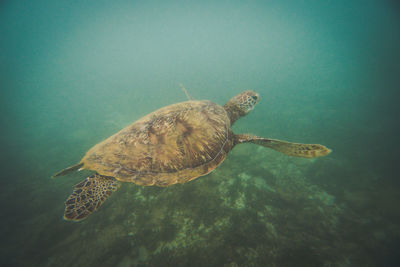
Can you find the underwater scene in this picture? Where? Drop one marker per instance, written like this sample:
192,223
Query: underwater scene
73,73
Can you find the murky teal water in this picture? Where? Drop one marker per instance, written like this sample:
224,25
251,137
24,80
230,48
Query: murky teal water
72,74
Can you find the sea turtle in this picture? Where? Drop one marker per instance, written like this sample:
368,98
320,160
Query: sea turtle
175,144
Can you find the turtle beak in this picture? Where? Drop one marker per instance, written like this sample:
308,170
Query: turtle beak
252,100
256,98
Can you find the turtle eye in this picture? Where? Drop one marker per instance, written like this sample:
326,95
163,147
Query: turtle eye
254,97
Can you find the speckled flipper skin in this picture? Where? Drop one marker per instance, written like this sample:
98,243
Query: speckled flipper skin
88,196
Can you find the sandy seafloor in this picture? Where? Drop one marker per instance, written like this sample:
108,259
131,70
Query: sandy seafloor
327,71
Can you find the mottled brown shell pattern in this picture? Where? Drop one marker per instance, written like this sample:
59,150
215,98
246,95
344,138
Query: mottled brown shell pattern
174,144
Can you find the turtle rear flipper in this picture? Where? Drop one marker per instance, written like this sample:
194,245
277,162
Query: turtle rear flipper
288,148
88,196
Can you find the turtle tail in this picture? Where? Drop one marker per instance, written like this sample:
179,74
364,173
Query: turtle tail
68,170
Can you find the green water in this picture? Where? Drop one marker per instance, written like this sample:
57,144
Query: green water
72,74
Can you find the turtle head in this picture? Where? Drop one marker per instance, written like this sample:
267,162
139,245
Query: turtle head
241,104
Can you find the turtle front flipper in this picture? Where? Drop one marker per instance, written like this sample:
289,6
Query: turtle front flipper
288,148
88,196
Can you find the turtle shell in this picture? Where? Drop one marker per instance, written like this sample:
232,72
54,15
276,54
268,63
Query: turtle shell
174,144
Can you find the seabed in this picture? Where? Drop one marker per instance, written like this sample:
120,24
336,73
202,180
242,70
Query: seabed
259,208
